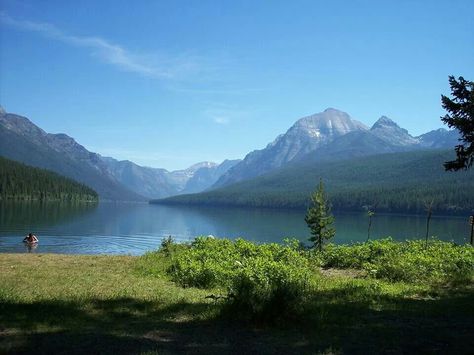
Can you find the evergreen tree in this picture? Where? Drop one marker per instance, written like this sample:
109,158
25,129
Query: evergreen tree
22,182
461,116
319,218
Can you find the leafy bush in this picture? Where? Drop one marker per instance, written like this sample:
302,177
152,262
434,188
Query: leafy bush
440,262
357,255
269,289
266,281
157,263
207,263
269,282
408,261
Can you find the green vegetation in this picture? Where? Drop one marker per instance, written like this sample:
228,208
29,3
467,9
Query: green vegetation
441,263
91,304
461,116
263,281
319,218
221,296
273,282
221,263
22,182
399,182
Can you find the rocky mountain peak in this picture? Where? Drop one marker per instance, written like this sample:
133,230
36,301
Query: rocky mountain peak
383,122
388,130
306,135
61,142
334,110
439,138
22,126
2,111
203,164
331,122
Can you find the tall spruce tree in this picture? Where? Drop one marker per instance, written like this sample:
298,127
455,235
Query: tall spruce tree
319,218
460,116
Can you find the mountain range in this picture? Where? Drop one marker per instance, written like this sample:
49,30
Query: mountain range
331,135
23,141
402,182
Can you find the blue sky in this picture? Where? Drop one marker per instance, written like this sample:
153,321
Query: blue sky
170,83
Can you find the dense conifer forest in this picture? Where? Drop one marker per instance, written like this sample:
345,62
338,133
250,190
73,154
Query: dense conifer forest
399,182
23,182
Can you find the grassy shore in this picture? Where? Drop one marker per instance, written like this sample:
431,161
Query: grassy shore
113,304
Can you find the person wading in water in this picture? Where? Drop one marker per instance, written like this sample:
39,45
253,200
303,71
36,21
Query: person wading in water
31,238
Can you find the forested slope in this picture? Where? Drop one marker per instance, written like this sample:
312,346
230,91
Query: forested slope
399,182
23,182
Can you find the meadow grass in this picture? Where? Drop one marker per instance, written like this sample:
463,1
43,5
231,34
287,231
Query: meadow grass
123,304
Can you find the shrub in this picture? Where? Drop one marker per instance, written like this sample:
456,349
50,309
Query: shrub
265,281
408,261
207,263
357,255
441,262
158,262
270,289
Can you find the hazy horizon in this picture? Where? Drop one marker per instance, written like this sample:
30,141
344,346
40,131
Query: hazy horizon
169,84
179,168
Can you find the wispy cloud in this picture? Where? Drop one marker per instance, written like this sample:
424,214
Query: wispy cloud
223,114
220,115
109,52
221,119
219,90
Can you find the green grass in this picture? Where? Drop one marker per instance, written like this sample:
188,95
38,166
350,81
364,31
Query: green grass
123,304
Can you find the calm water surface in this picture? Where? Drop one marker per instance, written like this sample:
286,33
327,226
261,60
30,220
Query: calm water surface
109,228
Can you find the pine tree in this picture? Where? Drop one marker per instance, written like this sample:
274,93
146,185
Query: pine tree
461,116
319,218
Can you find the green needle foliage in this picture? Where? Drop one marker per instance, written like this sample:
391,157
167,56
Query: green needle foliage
398,182
27,183
461,116
319,218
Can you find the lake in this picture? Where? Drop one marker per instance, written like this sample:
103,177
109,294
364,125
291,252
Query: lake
120,228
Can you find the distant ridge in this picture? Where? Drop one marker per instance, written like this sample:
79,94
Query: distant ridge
26,183
397,182
23,141
333,135
327,136
305,136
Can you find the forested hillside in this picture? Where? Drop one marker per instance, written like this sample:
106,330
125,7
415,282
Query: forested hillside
22,182
22,141
399,182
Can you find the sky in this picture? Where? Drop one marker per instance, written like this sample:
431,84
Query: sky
170,83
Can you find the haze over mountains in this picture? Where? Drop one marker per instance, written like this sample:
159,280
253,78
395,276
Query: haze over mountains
329,135
306,135
400,182
22,140
332,135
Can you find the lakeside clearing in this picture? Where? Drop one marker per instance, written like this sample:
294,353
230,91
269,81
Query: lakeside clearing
53,303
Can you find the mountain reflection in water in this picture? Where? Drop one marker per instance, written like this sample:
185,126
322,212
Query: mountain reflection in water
120,228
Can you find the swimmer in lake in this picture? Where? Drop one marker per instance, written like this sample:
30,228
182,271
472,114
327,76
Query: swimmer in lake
31,239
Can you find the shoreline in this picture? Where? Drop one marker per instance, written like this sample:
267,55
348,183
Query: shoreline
79,303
